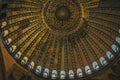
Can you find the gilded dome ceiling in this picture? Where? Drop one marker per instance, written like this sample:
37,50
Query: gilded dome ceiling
61,39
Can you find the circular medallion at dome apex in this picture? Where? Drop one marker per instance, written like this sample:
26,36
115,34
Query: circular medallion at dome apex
63,15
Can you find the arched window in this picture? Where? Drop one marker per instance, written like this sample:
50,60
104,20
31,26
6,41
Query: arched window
18,55
62,74
38,69
8,41
117,39
115,48
31,65
5,33
24,60
46,73
109,55
4,23
79,72
13,48
71,74
95,65
103,61
87,70
54,74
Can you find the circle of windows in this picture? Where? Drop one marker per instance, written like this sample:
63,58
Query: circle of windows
46,72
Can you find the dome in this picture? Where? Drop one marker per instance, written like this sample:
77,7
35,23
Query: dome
61,39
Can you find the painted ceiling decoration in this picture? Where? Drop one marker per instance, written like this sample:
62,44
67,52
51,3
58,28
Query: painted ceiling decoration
61,39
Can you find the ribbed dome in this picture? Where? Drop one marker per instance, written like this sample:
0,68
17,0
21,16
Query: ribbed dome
61,38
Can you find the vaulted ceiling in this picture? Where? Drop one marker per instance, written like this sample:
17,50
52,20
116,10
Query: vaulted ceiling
73,38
